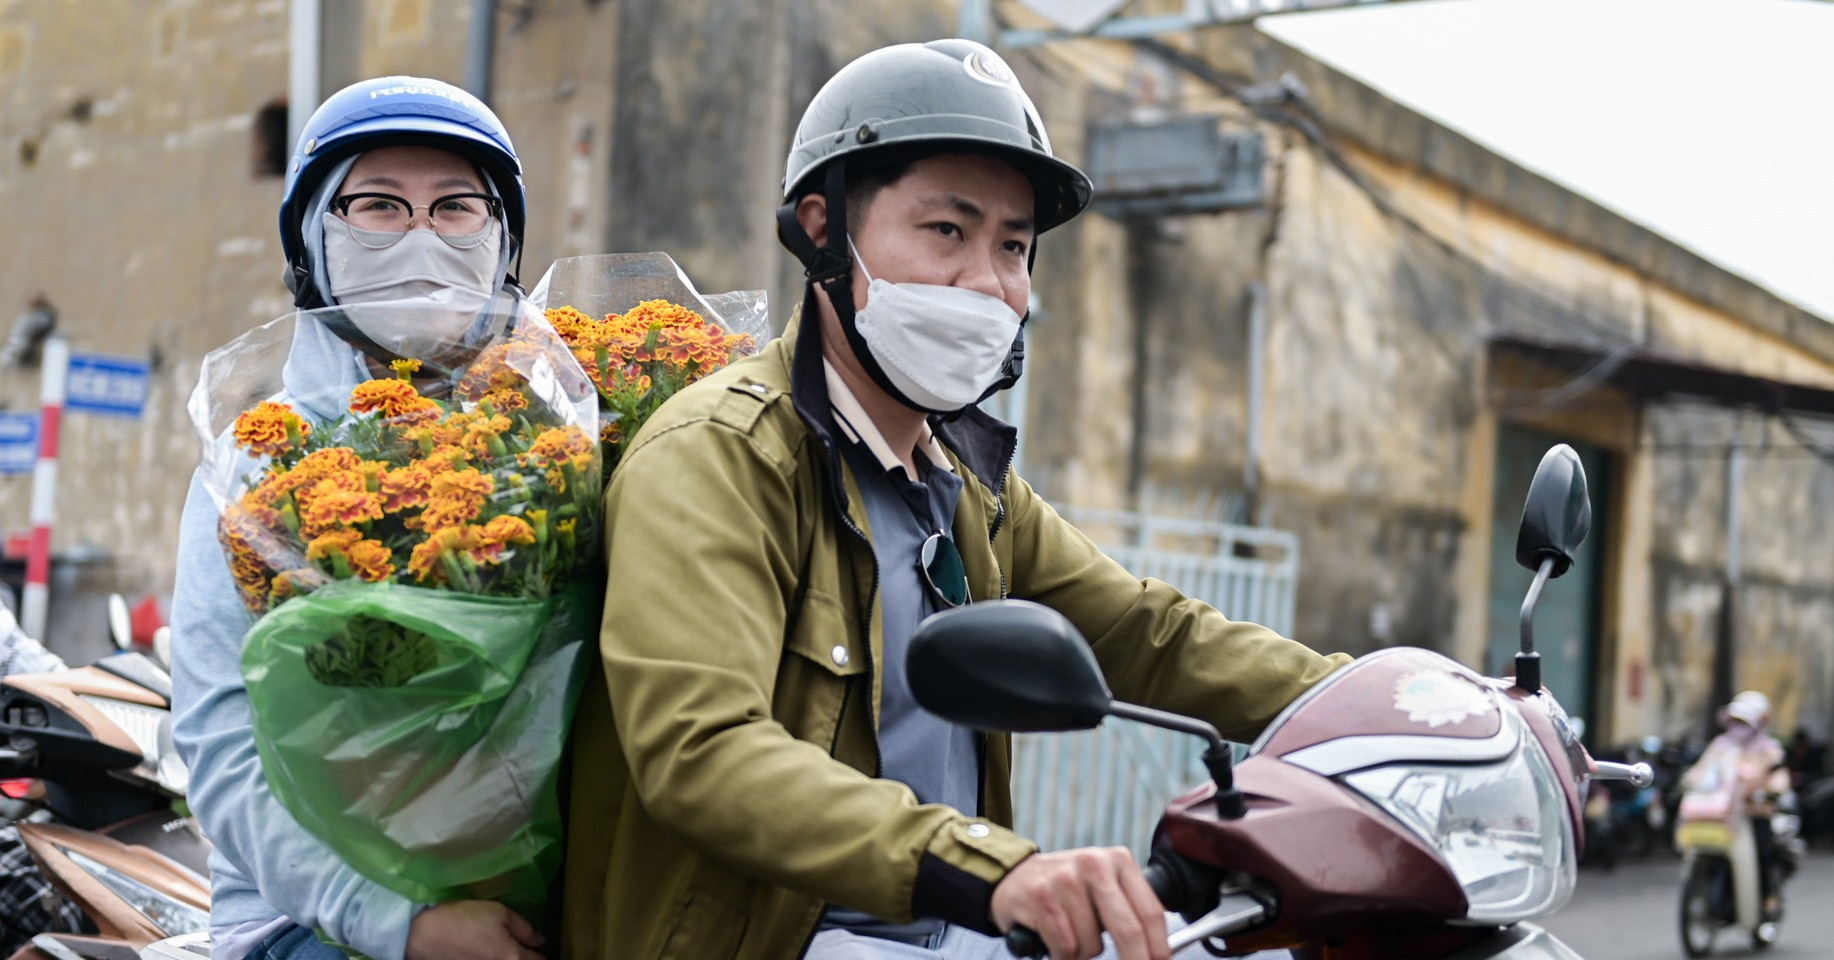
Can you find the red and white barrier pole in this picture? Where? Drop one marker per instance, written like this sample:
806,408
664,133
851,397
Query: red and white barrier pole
37,597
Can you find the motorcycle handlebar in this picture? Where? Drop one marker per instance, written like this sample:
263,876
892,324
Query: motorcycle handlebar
1639,774
1023,941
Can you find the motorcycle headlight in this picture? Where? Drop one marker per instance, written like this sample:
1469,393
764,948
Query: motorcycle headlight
1501,826
172,916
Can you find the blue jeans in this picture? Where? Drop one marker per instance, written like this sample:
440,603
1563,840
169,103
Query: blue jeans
295,943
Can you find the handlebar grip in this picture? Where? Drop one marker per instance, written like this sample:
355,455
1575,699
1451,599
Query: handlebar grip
1023,941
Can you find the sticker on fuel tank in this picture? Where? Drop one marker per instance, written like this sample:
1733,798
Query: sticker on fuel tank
1436,698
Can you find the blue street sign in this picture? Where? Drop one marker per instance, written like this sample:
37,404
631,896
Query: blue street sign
18,442
112,385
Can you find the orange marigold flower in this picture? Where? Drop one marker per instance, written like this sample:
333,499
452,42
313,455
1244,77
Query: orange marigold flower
507,399
371,560
326,544
450,510
558,443
392,398
481,431
509,529
319,463
405,488
338,500
270,429
467,481
424,563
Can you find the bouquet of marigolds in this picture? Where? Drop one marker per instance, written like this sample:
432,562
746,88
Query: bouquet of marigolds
417,542
642,357
642,333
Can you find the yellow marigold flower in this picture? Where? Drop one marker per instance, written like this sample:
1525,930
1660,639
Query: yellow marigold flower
509,529
392,398
370,560
326,544
404,368
270,429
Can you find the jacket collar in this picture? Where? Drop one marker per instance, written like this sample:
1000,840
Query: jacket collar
984,443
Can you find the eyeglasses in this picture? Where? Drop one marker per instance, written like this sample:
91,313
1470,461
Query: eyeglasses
458,218
941,566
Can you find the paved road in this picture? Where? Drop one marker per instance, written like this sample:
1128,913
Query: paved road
1630,914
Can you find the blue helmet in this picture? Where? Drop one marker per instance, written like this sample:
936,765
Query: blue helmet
398,111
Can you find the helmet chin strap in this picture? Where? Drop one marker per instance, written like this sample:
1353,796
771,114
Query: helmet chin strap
831,268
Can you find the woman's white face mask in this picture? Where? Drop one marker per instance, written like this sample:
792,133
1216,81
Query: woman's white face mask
448,287
416,265
941,346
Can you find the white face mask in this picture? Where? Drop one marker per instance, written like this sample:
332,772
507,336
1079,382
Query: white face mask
941,346
418,264
443,289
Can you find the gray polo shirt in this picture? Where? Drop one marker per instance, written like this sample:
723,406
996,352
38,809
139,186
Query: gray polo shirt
938,760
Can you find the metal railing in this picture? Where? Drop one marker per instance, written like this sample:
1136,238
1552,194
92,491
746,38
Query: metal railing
1107,787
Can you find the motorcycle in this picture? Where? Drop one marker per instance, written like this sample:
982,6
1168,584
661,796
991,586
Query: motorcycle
93,747
1721,885
1403,806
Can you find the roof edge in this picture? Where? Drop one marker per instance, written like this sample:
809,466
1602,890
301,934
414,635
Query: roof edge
1375,121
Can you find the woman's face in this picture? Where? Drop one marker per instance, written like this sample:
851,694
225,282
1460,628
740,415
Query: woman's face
418,175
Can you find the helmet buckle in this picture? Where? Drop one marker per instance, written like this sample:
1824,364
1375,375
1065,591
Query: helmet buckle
828,264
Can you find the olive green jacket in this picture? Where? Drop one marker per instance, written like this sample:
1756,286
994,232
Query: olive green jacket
724,791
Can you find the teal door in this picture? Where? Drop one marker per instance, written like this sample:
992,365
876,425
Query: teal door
1567,619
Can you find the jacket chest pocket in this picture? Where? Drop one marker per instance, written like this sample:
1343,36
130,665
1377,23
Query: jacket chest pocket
823,660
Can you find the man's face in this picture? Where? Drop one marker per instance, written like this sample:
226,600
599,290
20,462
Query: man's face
958,220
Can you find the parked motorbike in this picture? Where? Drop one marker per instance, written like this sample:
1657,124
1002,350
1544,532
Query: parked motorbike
97,743
1721,877
1405,806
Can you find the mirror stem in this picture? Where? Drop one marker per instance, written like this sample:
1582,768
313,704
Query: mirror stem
1528,662
1218,756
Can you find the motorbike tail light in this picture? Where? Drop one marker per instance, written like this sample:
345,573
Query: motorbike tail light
16,789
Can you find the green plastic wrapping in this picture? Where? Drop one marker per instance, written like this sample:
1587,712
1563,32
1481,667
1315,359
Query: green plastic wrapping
432,769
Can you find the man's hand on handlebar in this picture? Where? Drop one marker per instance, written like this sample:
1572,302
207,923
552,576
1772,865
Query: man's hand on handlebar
1070,898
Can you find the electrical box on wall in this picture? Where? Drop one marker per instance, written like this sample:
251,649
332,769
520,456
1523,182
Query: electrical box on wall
1186,165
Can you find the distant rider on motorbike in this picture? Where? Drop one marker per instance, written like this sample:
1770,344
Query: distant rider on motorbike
1762,774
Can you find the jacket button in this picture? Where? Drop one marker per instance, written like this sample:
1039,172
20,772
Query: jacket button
978,830
840,656
759,388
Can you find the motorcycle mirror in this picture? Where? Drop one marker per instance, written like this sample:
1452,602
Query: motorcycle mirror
1558,514
1555,521
1006,665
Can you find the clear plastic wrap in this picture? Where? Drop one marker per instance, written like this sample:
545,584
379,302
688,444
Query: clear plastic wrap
642,333
418,542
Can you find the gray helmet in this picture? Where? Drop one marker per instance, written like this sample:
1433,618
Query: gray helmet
913,99
933,96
